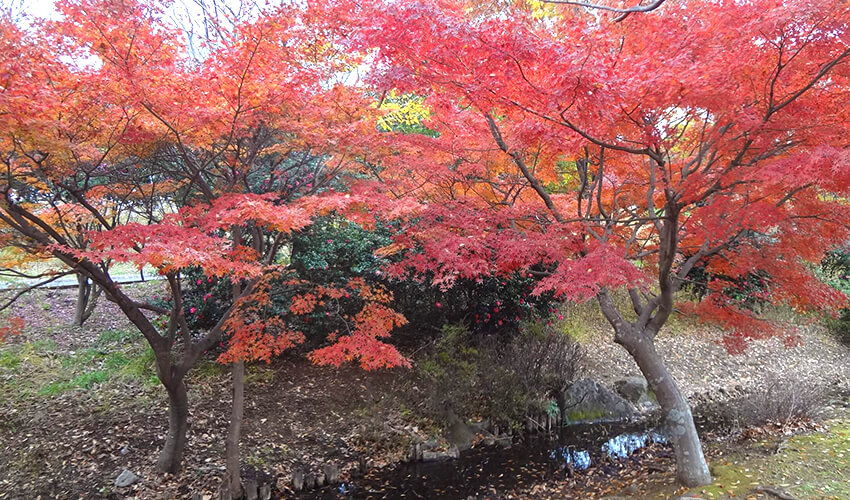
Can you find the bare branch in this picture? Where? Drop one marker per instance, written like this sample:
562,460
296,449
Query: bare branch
625,12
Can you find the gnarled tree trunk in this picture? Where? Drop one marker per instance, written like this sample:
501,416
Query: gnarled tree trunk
691,467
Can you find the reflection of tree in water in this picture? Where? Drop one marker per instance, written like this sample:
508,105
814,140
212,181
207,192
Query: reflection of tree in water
620,446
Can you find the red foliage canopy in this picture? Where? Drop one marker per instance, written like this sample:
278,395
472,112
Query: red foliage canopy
621,155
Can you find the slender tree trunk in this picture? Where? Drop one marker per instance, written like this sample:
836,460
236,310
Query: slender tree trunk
171,456
83,293
87,295
691,467
232,486
233,481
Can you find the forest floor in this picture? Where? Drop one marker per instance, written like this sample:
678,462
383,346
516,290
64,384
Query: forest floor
79,405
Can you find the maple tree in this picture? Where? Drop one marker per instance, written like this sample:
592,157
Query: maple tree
618,156
220,159
532,139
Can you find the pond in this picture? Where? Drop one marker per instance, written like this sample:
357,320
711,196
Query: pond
605,448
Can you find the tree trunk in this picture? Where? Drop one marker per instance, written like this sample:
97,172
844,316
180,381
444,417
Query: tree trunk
83,293
87,295
233,481
171,456
691,467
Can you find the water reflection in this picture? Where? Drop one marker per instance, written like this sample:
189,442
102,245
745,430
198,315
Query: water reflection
578,459
625,444
620,446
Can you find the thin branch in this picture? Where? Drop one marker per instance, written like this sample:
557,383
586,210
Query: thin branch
31,288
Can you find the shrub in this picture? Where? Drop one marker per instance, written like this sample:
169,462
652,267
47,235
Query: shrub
751,290
546,361
205,299
840,326
489,304
503,380
333,250
781,402
835,271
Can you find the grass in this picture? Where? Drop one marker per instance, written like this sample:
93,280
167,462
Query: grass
118,336
259,373
39,369
208,369
583,321
9,360
584,416
807,466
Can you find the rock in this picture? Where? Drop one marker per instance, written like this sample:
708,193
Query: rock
505,441
266,492
320,479
298,479
251,490
430,444
459,433
436,456
634,389
481,427
126,478
588,401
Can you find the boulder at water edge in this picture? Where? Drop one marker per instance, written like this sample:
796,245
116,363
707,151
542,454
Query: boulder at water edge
589,401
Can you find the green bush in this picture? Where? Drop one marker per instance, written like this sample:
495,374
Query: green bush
333,250
840,326
750,290
835,271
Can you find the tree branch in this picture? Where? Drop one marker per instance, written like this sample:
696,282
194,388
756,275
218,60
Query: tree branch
625,12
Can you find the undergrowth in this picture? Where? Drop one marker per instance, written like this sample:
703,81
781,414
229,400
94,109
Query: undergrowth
40,369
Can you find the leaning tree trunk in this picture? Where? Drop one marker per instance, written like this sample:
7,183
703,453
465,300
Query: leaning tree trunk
691,467
232,487
171,455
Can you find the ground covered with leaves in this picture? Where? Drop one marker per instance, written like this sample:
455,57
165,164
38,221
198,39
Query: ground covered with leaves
79,405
